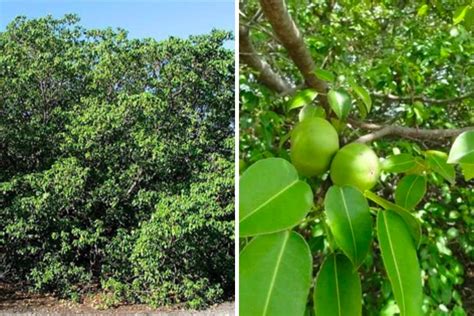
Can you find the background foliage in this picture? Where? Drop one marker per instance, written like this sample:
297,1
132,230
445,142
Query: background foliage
116,169
416,51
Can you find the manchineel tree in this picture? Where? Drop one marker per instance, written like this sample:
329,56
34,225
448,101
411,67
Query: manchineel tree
356,157
116,164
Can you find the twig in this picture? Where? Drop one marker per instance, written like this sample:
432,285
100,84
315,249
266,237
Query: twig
380,131
422,98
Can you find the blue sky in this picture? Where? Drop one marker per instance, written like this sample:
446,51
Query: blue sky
142,18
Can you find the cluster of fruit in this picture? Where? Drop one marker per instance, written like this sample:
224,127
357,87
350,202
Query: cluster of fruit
315,149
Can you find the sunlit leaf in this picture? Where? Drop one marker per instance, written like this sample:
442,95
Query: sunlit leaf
325,75
311,110
410,190
337,290
363,94
349,219
462,150
272,198
272,267
301,98
412,222
437,161
340,102
422,10
460,14
467,170
398,163
400,262
469,19
421,166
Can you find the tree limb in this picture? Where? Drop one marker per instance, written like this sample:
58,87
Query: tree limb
423,98
380,131
291,38
250,57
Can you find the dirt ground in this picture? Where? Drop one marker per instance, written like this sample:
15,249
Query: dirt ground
15,302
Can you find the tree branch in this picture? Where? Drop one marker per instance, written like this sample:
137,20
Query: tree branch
250,57
291,38
256,17
380,131
423,98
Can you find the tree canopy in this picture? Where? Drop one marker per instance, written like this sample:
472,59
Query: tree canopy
116,161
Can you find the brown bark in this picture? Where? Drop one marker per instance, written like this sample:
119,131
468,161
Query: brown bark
292,39
380,131
423,99
250,57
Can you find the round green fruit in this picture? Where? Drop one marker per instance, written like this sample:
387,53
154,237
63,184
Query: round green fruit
356,165
314,141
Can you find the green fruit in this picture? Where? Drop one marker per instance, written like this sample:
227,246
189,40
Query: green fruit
314,142
356,165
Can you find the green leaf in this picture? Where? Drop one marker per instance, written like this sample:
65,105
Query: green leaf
337,290
329,237
363,94
340,102
272,198
412,222
460,14
316,244
467,170
421,166
339,125
462,150
390,309
469,19
362,110
283,140
310,110
437,161
271,268
422,10
398,163
410,190
421,114
302,98
400,262
325,75
349,219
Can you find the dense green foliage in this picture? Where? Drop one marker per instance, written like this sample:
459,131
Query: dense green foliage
116,161
415,51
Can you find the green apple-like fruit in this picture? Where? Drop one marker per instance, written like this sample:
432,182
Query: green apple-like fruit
356,165
314,141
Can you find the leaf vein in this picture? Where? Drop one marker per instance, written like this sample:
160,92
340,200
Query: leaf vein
269,200
337,287
395,262
350,224
277,266
408,192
